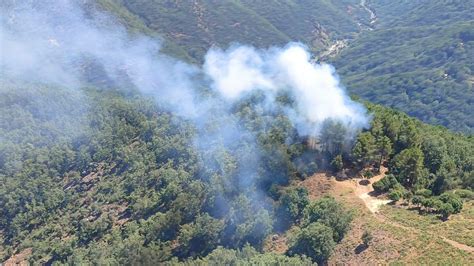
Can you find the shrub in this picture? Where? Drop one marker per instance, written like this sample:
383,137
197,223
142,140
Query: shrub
395,194
368,174
464,193
424,193
337,163
417,200
385,184
331,213
315,241
446,209
431,203
452,200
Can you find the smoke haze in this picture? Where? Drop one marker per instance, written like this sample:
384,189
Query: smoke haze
51,42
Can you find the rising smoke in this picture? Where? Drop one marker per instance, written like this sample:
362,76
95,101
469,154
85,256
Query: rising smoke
316,88
52,42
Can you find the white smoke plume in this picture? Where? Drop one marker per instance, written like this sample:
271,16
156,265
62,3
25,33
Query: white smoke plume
318,94
51,42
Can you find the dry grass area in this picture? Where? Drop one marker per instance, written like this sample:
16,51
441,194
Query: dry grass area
400,235
457,231
19,259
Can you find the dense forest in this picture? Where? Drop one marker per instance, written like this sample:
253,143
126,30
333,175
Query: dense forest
118,180
109,166
418,59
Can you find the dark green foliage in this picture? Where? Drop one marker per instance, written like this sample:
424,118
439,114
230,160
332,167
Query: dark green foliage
119,168
306,169
245,256
464,194
333,138
417,200
372,147
396,194
107,177
445,204
337,163
199,237
453,200
247,224
424,193
408,167
435,153
445,210
315,241
385,184
195,27
431,203
331,213
118,179
325,224
417,59
364,150
422,160
292,204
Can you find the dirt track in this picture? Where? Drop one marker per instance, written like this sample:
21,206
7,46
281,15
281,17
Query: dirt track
364,190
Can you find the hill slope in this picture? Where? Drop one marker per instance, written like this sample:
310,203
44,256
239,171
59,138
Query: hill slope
415,56
119,181
418,59
197,25
110,171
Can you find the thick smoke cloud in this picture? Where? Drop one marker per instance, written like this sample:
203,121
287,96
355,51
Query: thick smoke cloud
316,88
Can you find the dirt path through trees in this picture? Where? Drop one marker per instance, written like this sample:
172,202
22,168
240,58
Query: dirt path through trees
364,190
355,189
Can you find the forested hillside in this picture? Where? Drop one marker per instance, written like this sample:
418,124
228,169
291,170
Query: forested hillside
118,181
418,59
416,56
125,141
195,26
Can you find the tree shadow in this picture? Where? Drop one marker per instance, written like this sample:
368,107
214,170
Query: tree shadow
374,193
360,248
364,182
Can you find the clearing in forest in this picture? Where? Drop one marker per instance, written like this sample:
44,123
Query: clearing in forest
400,235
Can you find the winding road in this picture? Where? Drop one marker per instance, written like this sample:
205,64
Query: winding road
373,16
